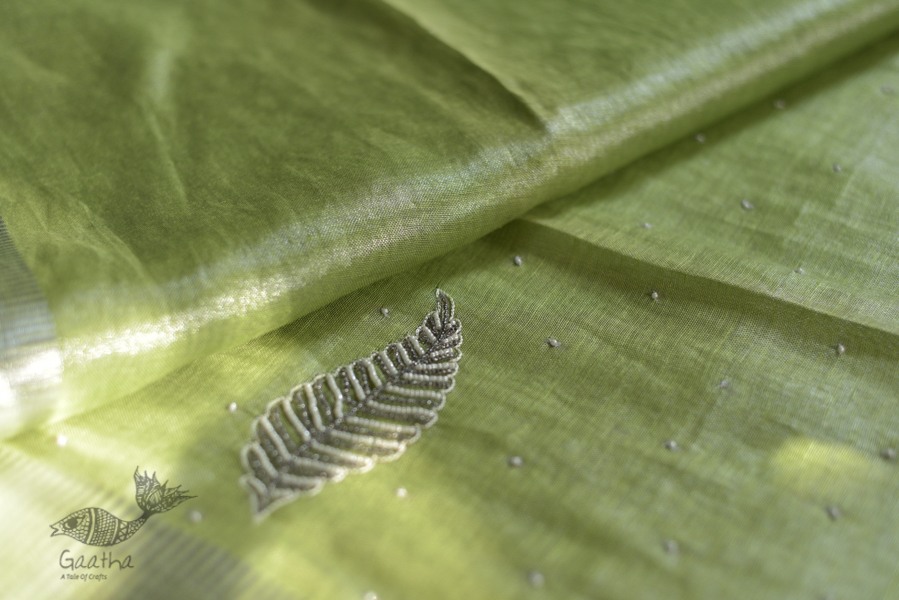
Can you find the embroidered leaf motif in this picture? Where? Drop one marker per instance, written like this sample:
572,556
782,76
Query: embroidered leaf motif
346,421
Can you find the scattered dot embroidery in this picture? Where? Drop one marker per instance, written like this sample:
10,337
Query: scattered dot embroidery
700,138
369,596
840,349
515,462
536,579
671,445
799,271
837,168
646,225
348,420
401,492
833,512
385,312
232,407
61,440
654,296
670,547
780,104
553,342
888,454
195,516
517,261
746,204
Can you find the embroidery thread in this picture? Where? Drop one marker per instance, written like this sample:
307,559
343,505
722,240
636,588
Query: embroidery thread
348,420
96,527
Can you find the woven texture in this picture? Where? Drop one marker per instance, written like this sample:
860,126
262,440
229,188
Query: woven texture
680,367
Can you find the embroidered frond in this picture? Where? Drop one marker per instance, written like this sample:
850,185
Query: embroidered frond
347,421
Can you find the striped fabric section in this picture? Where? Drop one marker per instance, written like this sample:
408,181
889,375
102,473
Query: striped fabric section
30,361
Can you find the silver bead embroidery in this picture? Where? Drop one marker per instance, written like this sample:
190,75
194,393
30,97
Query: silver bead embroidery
348,420
536,579
515,462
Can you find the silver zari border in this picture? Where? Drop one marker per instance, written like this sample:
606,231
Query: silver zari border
30,360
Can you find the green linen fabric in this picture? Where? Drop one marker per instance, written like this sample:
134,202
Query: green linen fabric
718,419
184,177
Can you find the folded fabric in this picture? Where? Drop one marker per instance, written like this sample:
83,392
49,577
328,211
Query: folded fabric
677,382
181,178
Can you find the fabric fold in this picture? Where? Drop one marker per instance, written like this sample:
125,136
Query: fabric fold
190,177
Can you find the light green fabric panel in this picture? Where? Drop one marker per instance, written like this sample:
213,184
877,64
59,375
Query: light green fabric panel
735,361
182,177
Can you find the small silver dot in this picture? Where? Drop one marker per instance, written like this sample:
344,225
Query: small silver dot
61,440
553,342
799,271
654,295
833,512
536,579
195,516
385,312
670,546
837,168
517,261
888,454
646,225
780,104
369,596
401,492
724,384
700,137
841,349
232,407
746,204
515,462
671,445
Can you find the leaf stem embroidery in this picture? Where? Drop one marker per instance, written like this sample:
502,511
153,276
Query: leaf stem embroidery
348,420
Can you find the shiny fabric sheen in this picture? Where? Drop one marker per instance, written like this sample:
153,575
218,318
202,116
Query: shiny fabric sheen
718,416
169,169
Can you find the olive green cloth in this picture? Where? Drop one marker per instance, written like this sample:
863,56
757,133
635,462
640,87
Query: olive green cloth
717,420
182,177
